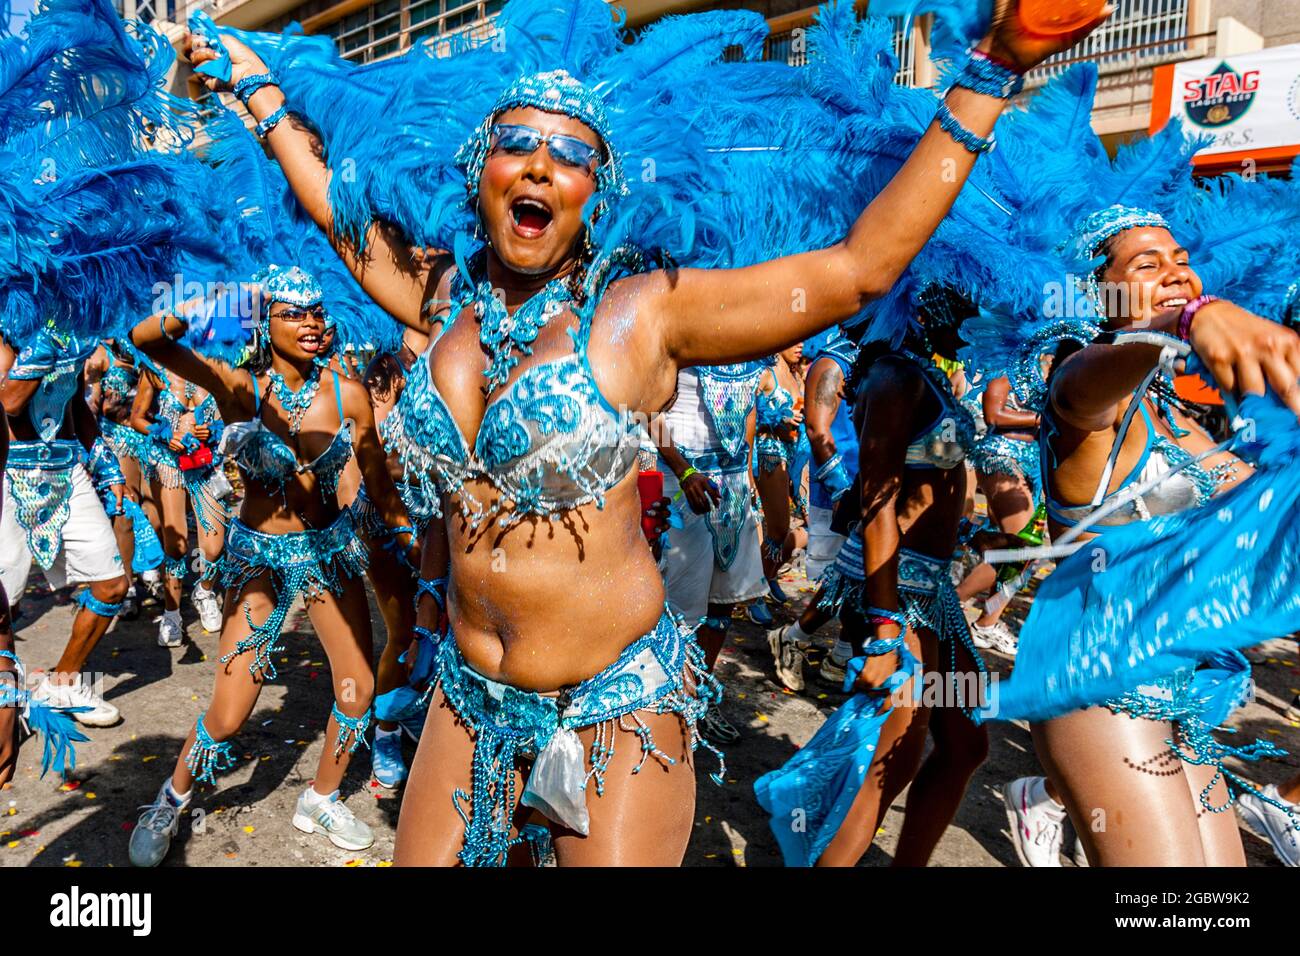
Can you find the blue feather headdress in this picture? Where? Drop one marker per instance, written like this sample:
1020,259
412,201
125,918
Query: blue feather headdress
722,163
1028,254
94,208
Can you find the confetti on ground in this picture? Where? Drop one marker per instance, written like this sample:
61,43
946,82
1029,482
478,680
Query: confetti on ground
69,785
90,796
72,863
384,863
352,862
148,758
821,696
249,829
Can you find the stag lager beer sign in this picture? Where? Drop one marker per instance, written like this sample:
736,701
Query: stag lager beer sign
1245,102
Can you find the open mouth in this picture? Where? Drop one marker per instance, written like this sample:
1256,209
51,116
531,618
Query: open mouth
1174,302
531,217
309,342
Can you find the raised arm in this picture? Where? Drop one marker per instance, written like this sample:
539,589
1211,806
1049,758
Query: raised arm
402,282
1242,352
156,337
717,316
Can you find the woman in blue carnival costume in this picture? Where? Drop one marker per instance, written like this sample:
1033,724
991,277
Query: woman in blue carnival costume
111,375
182,430
291,426
778,438
1007,472
891,584
539,502
393,581
1128,659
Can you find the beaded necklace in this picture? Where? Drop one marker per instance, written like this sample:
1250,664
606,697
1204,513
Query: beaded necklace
506,336
295,403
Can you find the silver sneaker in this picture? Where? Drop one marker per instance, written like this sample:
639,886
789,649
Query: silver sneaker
789,658
209,608
996,636
1272,823
78,694
832,672
154,831
170,633
333,818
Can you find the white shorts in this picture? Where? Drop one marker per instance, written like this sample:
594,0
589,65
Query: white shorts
89,551
823,544
692,578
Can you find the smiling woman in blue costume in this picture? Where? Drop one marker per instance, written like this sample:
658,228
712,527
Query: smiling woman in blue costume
1175,553
291,426
559,645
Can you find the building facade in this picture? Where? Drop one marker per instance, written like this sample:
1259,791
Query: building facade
1140,36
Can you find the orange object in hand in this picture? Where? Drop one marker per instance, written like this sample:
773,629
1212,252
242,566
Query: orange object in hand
1055,17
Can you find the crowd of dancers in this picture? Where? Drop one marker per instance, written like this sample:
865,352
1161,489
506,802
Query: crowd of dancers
570,342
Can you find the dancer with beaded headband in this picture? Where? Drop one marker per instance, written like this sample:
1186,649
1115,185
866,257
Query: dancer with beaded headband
1173,554
542,497
291,427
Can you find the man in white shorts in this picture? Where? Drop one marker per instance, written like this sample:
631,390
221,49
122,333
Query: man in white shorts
712,562
57,471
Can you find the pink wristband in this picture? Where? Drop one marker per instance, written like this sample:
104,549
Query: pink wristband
1189,313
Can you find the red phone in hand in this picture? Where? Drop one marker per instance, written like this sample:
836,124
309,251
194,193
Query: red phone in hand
650,485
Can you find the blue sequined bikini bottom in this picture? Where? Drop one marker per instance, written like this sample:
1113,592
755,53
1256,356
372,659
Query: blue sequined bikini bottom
303,563
1000,454
662,672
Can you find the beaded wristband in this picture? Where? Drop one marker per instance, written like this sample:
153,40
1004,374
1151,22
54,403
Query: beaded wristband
249,85
879,648
983,74
1189,313
964,137
265,126
162,327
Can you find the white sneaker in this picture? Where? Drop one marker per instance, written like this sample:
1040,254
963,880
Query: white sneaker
996,636
333,818
78,694
209,608
1272,824
1036,828
170,633
789,658
832,672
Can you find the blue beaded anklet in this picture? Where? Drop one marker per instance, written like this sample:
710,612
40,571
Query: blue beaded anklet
354,727
208,757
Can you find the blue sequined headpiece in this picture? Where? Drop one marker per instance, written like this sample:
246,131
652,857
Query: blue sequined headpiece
1086,241
293,286
559,92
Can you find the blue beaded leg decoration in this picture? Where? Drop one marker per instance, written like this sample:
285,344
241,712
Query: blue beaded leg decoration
95,606
772,549
208,757
354,727
1198,746
175,567
716,623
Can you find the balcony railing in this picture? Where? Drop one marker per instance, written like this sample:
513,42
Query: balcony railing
1139,34
782,46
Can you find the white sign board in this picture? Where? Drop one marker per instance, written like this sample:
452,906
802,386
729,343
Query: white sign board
1246,102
